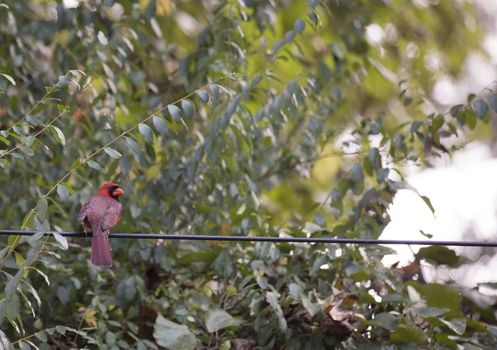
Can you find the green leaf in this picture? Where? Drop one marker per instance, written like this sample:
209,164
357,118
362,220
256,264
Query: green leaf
439,255
219,319
441,296
12,308
61,329
289,36
4,341
299,25
4,140
480,107
146,132
94,165
41,336
9,78
428,203
404,334
12,284
203,95
272,299
492,101
312,308
223,265
437,123
458,325
59,135
374,158
112,153
215,94
61,240
427,311
133,145
175,112
63,192
35,237
368,168
469,118
42,208
385,320
188,108
173,336
160,125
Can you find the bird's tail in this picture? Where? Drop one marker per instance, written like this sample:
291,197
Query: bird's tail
100,249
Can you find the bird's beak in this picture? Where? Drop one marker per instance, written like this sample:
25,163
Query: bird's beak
118,192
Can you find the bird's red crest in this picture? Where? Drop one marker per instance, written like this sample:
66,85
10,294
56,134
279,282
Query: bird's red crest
111,190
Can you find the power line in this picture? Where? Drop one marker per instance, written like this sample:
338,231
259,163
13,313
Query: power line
186,237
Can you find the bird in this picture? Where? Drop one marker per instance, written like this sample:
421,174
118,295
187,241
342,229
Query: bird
100,214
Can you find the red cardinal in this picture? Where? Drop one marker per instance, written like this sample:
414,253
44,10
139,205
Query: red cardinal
101,213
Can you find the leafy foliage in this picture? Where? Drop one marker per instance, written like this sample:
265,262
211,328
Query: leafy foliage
221,118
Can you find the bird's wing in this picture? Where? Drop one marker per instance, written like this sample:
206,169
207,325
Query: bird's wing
112,215
84,211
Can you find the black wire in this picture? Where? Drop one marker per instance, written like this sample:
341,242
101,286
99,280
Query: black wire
361,241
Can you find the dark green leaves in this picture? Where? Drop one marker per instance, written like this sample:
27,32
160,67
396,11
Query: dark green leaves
438,295
428,203
439,255
408,334
437,122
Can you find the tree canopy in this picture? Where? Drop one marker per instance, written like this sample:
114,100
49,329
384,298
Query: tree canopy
261,118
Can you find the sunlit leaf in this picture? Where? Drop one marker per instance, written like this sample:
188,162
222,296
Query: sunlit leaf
492,101
94,165
480,108
146,132
173,336
61,240
42,208
175,112
458,325
218,319
63,192
188,108
112,153
9,78
272,299
59,135
160,125
203,95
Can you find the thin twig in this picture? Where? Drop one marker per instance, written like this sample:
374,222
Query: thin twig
35,135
